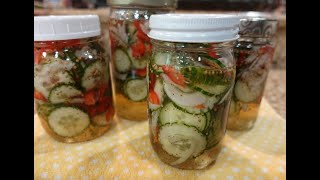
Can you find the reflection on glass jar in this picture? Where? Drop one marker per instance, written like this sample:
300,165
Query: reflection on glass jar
190,87
130,51
254,53
72,88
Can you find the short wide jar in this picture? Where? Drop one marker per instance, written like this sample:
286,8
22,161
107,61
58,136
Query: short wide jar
72,88
191,76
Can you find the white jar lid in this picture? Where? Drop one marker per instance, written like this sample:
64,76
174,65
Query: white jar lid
194,28
48,28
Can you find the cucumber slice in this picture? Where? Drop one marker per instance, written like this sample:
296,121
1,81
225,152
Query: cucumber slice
94,74
44,110
181,141
209,122
68,121
214,60
136,89
210,90
122,61
189,99
170,114
64,93
245,93
190,110
205,75
46,76
121,76
140,63
131,29
162,58
183,89
182,98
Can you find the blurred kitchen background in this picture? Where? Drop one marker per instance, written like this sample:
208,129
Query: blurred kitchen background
275,91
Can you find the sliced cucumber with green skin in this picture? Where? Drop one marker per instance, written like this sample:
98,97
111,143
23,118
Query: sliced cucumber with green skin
140,63
246,93
170,114
122,61
209,122
181,141
190,110
189,99
44,85
158,89
162,58
94,75
185,89
136,89
120,76
182,98
210,90
46,76
68,121
45,109
65,93
131,29
205,76
217,61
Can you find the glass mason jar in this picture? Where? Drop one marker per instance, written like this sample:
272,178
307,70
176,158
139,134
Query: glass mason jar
130,52
191,76
72,88
254,53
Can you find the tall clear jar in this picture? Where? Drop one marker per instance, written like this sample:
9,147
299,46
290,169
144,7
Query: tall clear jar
72,87
191,76
254,53
130,53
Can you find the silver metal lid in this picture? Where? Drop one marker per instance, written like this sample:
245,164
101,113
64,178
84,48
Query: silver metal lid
150,3
256,24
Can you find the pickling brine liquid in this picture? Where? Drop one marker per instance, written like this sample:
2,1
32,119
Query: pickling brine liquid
244,118
91,132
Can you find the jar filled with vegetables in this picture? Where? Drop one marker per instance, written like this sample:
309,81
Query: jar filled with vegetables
72,88
254,53
130,53
191,76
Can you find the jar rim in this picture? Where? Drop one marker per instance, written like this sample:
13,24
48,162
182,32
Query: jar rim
148,3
